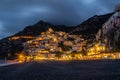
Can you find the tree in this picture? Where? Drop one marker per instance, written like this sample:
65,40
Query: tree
64,47
58,54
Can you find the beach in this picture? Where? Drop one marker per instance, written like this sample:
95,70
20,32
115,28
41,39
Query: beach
62,70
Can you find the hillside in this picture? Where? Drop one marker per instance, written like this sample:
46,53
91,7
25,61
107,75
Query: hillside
13,45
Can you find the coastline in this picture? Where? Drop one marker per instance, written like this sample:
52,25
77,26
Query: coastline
7,62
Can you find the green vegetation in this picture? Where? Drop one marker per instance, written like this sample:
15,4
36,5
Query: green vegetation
58,54
64,47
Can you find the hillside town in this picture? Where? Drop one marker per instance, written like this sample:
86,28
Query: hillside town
52,44
55,45
60,45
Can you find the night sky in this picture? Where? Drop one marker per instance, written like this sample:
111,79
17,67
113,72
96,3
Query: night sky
16,14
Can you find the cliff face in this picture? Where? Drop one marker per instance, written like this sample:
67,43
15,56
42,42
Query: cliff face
92,25
113,37
14,44
110,32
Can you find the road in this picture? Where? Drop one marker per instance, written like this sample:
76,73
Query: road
62,70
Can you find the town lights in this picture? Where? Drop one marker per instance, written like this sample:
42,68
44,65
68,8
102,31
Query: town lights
54,39
96,49
21,58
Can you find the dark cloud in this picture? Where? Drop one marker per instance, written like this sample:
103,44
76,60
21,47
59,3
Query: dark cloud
16,14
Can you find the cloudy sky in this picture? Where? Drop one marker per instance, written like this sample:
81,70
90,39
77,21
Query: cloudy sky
16,14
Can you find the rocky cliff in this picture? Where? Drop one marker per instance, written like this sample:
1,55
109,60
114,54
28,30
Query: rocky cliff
110,32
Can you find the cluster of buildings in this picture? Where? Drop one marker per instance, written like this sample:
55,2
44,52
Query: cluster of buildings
51,43
97,49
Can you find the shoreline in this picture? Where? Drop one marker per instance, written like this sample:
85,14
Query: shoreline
7,62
